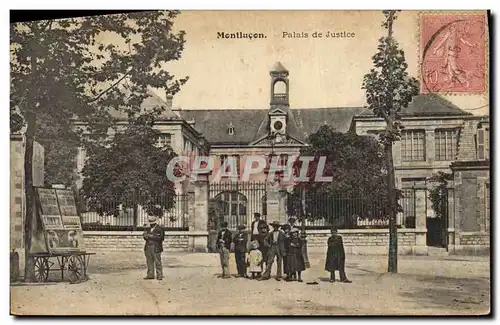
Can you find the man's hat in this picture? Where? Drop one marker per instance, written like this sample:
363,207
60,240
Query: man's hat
152,219
286,226
223,224
275,223
256,214
291,219
241,227
294,230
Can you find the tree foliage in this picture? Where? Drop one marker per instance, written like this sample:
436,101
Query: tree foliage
84,69
358,170
389,89
438,195
129,170
388,86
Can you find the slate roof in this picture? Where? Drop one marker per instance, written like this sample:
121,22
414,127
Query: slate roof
251,124
428,105
214,124
150,102
278,67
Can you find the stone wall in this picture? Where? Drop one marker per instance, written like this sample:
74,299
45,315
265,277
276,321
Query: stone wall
474,239
362,241
176,241
370,241
471,218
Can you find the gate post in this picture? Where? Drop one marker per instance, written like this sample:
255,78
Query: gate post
450,224
420,247
199,225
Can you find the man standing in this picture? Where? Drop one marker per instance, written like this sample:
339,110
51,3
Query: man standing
154,237
240,249
291,222
224,239
257,225
335,257
275,240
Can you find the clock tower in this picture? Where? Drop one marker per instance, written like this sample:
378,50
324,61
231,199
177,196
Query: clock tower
278,112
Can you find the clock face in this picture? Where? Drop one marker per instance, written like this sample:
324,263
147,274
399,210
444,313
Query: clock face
278,125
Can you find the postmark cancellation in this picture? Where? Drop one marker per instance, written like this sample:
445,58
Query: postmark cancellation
453,50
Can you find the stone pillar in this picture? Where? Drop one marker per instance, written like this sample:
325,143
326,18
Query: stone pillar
451,220
430,146
199,223
420,221
276,209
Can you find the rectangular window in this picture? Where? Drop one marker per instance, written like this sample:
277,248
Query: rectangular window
413,145
283,159
483,143
164,139
222,160
234,161
446,144
237,160
188,145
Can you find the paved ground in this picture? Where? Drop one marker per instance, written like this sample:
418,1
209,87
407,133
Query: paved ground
424,285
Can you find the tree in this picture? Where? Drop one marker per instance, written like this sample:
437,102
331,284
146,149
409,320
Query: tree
61,72
438,195
389,88
129,170
358,170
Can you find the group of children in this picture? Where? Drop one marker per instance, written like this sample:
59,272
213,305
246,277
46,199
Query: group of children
255,253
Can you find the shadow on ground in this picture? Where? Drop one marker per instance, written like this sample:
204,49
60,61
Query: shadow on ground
457,293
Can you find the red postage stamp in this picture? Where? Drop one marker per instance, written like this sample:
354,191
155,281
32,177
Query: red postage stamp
453,53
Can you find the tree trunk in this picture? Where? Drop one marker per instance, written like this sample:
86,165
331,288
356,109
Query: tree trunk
29,195
29,192
393,229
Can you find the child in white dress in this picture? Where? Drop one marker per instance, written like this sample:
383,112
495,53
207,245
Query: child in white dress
254,260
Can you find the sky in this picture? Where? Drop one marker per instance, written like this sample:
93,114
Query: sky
324,72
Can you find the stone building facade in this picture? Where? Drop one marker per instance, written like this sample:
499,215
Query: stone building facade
437,137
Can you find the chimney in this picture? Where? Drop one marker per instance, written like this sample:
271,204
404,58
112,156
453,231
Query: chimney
169,101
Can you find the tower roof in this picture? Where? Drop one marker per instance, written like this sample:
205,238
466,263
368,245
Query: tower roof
278,67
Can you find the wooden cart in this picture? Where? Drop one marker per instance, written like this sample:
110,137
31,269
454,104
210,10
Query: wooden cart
74,263
58,235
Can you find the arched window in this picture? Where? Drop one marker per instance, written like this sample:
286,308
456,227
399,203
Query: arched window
280,87
234,208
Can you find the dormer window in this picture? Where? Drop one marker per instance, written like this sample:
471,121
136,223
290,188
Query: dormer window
230,129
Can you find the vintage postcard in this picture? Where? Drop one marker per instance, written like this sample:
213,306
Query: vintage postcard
250,163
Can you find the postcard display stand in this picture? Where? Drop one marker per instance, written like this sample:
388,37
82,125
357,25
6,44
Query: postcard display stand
58,234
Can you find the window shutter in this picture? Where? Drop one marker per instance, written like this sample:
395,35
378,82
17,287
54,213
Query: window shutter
480,144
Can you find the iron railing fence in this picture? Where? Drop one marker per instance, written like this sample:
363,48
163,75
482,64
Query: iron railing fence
126,216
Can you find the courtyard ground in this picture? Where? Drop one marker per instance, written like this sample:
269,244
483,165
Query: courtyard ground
425,285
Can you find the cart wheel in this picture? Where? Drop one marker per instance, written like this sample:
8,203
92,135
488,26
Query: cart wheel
76,269
41,269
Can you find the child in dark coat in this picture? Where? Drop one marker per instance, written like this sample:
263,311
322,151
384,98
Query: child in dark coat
295,259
